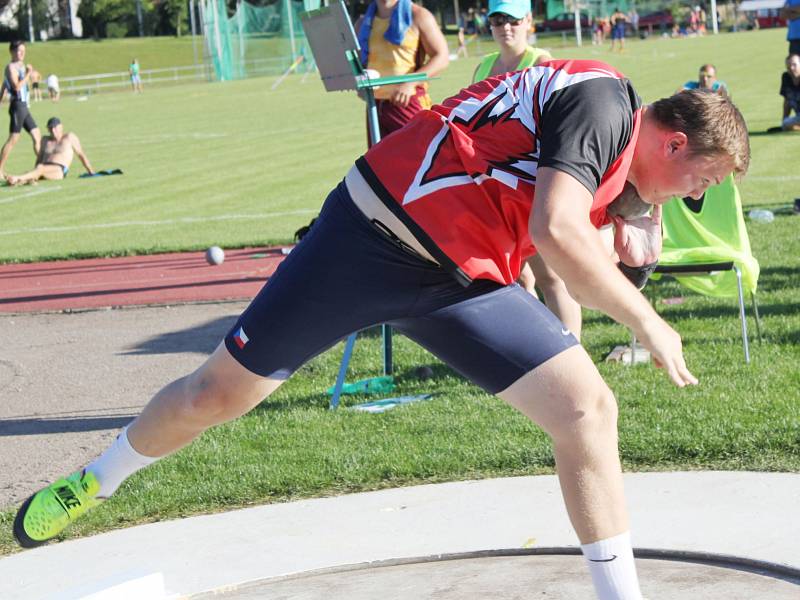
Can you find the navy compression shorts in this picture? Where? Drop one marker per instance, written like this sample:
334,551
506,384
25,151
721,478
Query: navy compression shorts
347,275
20,117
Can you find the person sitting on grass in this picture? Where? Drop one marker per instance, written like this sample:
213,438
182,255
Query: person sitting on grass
790,90
55,156
707,80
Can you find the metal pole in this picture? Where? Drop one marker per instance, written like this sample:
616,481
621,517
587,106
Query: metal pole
30,19
337,388
139,17
714,23
374,138
194,31
206,46
289,11
70,16
578,38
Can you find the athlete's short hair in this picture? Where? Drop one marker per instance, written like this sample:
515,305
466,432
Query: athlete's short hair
711,122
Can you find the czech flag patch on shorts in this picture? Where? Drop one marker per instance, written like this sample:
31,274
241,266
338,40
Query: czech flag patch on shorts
240,337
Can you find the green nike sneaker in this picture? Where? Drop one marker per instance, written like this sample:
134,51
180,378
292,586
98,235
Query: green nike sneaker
48,512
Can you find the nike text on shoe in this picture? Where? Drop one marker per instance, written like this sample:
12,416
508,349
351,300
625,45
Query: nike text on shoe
48,512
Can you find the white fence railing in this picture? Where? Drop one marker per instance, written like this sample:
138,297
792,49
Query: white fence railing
83,84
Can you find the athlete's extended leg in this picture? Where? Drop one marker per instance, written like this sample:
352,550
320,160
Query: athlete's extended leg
219,391
568,398
343,277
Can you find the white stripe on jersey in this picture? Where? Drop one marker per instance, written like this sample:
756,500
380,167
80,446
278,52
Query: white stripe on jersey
558,79
514,95
416,190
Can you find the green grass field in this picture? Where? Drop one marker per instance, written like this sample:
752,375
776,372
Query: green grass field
71,58
237,164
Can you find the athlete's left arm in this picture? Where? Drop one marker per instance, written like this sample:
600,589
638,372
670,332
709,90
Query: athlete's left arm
76,146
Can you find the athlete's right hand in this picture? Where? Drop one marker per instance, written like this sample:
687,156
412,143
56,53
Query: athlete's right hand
666,348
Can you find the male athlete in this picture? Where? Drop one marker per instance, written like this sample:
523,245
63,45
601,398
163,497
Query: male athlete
55,156
427,232
17,76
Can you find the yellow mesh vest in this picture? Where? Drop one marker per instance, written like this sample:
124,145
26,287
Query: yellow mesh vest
388,59
528,59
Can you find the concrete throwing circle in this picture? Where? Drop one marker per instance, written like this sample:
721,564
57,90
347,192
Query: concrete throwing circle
546,573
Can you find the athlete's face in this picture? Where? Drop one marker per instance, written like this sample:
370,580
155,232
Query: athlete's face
19,53
510,32
676,173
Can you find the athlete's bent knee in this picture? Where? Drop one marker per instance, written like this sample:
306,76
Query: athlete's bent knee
210,401
592,415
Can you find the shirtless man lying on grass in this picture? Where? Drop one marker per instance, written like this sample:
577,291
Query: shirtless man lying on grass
55,156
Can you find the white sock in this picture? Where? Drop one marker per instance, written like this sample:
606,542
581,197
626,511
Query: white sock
613,570
117,463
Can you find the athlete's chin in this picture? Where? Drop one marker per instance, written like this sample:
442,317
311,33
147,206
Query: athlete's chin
651,197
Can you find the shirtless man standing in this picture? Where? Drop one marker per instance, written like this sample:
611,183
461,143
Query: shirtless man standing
36,81
55,157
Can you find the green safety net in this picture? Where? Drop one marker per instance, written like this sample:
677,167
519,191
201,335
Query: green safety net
716,234
256,40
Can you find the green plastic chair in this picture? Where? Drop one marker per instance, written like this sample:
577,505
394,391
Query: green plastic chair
706,248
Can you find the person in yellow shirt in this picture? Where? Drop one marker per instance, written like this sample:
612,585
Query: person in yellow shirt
398,37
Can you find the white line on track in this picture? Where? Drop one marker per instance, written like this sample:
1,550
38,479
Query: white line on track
29,194
304,211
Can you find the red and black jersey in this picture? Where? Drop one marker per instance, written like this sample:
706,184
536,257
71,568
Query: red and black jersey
462,176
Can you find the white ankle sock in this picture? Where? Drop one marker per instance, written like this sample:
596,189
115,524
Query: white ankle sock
613,570
117,463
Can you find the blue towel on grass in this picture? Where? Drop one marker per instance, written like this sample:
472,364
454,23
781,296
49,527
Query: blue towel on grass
102,173
398,26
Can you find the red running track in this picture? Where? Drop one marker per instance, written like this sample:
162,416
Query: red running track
135,280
